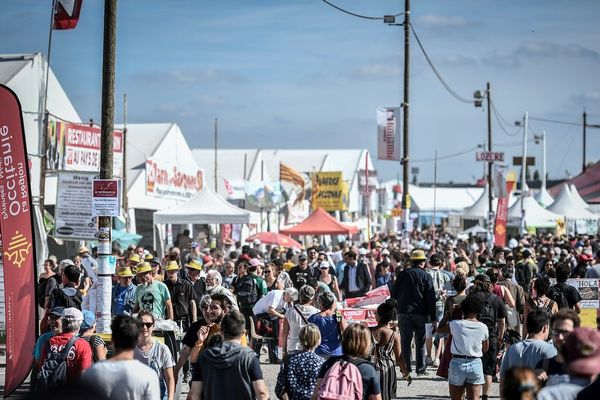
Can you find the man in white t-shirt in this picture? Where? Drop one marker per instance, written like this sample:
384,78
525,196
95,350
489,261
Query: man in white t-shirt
121,377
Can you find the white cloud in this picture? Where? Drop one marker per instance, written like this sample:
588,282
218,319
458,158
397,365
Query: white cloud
442,21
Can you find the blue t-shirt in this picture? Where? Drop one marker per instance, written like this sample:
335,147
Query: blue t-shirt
39,345
370,377
331,344
527,353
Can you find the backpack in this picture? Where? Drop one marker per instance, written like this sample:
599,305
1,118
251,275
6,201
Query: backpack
41,289
546,309
488,315
247,291
559,297
342,381
66,301
53,372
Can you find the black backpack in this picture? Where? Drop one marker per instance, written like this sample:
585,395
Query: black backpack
66,301
488,315
559,297
53,372
247,291
547,309
41,289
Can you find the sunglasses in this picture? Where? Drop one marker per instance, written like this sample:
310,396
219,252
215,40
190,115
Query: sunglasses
268,271
558,332
148,324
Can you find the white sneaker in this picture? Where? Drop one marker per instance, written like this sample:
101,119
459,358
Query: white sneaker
436,363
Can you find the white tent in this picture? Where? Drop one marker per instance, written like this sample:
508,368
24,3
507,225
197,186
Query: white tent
479,210
577,197
206,207
535,215
566,205
544,198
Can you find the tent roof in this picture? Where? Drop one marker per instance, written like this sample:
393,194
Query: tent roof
565,204
480,208
577,197
535,215
206,207
587,183
544,198
320,223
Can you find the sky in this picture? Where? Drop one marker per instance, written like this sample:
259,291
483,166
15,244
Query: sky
302,74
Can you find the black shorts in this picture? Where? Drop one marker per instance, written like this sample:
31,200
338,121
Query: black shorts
489,358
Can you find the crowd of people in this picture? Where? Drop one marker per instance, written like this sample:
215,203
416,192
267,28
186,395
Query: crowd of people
471,312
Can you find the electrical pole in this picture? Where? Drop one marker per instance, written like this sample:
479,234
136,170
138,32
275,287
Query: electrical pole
106,159
216,138
406,104
489,164
584,138
523,171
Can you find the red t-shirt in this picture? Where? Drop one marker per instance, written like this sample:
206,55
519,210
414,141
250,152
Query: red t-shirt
78,359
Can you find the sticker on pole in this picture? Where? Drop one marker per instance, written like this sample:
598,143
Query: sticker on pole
105,198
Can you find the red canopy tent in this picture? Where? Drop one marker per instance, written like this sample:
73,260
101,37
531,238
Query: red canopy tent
275,238
320,223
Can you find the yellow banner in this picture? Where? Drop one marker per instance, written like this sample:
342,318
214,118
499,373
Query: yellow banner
329,191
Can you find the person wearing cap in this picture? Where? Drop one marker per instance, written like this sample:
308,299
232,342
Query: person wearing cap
55,326
301,273
182,296
133,260
274,306
86,332
415,294
296,318
357,277
123,293
80,355
151,295
581,352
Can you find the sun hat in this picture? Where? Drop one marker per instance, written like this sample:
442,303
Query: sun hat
134,257
72,313
172,266
65,263
194,263
582,351
142,268
89,319
148,257
418,255
83,249
125,272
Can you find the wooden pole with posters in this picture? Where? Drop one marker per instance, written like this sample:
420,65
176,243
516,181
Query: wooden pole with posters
104,291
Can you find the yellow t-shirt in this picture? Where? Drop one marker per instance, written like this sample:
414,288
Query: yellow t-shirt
288,265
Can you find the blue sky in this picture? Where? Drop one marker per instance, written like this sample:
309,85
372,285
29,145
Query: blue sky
300,74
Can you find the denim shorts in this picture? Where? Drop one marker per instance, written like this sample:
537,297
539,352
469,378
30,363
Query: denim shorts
465,371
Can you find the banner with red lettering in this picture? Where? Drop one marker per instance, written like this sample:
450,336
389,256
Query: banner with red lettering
170,180
388,134
16,230
502,215
76,147
66,14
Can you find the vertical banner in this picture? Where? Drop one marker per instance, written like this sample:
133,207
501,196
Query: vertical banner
502,212
16,228
388,134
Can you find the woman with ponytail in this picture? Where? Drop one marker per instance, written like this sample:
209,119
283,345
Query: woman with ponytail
386,348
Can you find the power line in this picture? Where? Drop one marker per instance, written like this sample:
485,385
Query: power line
437,74
355,14
448,156
555,121
502,121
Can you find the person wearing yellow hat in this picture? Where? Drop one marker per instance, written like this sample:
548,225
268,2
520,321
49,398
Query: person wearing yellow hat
415,294
151,295
182,293
123,293
133,260
196,276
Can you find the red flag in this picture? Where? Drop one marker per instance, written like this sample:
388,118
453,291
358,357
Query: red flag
16,228
66,14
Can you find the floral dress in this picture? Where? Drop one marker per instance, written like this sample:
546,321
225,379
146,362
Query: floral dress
298,375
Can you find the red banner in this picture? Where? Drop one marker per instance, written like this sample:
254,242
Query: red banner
16,230
66,14
502,216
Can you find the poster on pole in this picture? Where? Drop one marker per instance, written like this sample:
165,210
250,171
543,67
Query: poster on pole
105,198
388,134
73,215
18,246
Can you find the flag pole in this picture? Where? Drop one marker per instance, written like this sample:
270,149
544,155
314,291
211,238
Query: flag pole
44,118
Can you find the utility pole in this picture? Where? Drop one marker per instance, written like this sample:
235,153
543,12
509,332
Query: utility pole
584,138
124,147
106,158
216,138
523,169
489,164
405,136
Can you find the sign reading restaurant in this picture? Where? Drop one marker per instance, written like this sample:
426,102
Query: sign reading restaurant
172,181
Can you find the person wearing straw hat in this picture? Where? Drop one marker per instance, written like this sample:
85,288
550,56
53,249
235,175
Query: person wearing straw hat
151,295
414,292
197,278
123,293
182,295
133,260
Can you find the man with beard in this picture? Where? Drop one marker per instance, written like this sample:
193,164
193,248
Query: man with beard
151,295
301,273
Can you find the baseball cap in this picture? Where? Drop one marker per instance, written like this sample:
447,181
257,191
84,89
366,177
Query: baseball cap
57,311
582,351
72,313
302,256
89,319
324,265
194,245
66,262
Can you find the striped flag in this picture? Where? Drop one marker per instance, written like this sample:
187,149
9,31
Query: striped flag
66,14
289,174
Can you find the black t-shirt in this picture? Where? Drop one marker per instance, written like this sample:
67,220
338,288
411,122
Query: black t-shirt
300,277
370,377
571,294
182,292
500,310
590,392
255,372
191,336
554,367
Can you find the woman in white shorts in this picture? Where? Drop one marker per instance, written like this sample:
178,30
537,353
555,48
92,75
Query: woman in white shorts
469,341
